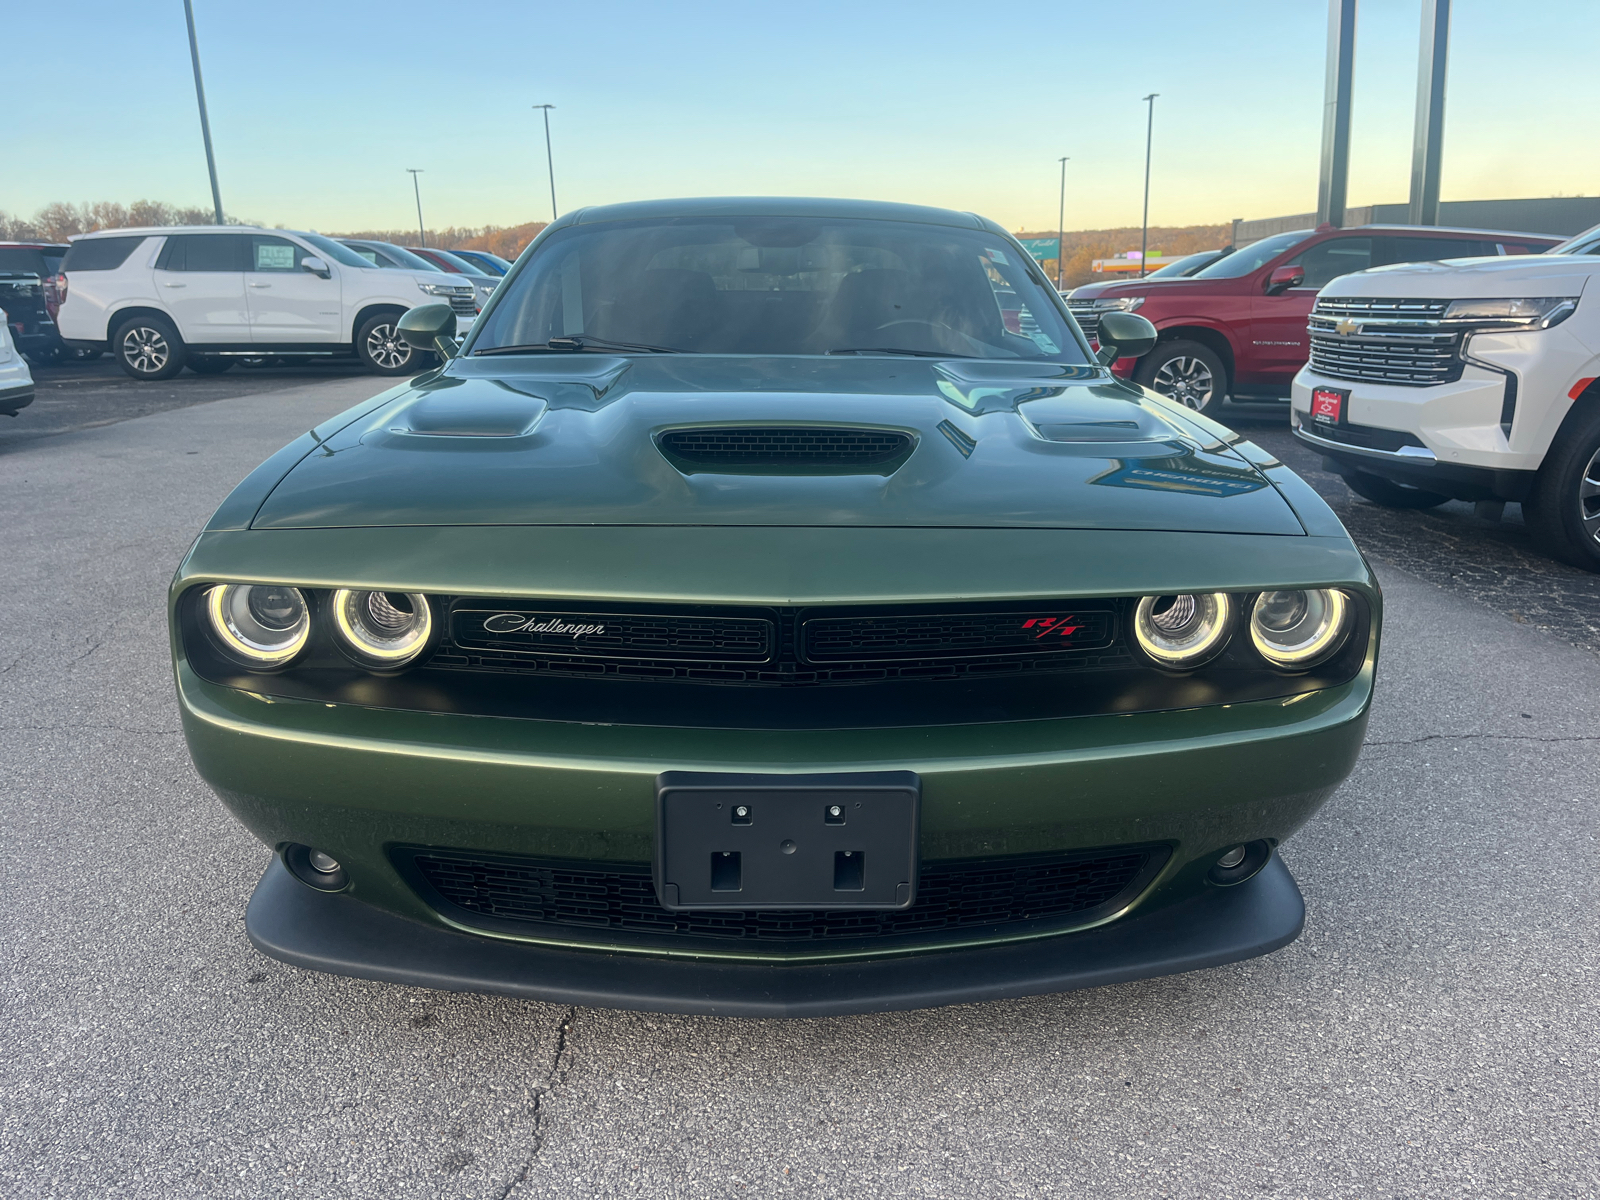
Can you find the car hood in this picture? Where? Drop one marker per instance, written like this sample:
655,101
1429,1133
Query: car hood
1472,278
573,440
1130,287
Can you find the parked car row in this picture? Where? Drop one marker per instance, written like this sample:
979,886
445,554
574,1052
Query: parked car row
160,299
1237,327
1475,380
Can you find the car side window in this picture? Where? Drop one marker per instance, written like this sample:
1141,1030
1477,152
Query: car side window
1400,249
275,254
370,255
214,252
1328,260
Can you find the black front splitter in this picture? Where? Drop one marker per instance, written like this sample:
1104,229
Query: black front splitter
330,932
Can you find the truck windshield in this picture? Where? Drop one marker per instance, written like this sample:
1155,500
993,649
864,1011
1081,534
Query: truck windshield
782,285
329,248
1253,256
1587,242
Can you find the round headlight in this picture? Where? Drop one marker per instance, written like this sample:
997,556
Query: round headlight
1297,630
260,624
1183,631
382,629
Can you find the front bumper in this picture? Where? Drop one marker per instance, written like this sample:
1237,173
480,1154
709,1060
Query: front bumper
340,935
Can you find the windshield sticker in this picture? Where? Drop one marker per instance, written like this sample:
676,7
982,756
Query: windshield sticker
997,256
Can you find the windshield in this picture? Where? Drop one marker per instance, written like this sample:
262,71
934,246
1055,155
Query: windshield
331,249
782,285
1587,242
1254,256
461,264
492,262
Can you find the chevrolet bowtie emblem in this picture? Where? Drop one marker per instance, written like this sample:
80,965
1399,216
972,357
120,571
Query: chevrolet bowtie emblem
1347,327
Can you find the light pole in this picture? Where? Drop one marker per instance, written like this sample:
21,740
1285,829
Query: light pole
205,124
1061,224
548,157
1144,229
417,188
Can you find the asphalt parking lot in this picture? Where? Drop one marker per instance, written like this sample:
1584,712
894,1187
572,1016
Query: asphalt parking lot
1431,1034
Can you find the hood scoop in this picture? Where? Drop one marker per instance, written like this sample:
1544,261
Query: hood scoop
785,450
471,415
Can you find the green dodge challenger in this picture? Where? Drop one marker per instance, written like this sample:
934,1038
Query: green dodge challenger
774,608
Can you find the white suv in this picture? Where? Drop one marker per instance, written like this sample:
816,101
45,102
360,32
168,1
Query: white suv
1472,379
204,297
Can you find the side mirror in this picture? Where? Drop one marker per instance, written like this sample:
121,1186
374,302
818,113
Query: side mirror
1284,278
1124,335
431,327
315,265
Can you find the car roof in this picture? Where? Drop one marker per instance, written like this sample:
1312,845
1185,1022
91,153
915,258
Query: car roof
1455,230
779,206
37,245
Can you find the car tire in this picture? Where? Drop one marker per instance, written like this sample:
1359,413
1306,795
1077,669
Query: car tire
383,351
1187,372
149,348
1389,494
210,364
1563,510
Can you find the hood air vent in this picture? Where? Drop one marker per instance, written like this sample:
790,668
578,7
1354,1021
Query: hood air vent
773,449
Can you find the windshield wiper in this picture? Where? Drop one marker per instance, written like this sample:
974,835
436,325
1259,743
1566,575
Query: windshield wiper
896,350
566,345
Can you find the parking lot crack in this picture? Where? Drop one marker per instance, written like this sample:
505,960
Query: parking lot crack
1483,737
543,1092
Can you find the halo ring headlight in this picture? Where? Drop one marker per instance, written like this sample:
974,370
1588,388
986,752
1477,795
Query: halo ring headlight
1183,631
1296,630
262,625
382,629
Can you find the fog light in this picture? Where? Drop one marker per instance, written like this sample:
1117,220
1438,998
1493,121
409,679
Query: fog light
315,868
1228,861
327,864
1240,863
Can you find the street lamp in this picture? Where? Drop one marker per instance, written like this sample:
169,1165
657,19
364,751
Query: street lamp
1061,224
1144,230
205,125
548,157
416,187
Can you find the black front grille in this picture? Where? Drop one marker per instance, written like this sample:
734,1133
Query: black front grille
774,647
834,639
511,894
765,445
622,636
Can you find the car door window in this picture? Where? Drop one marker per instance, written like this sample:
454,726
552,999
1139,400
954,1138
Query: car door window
1328,260
202,252
275,254
370,255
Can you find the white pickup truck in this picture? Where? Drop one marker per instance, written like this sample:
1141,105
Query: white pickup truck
204,297
1472,379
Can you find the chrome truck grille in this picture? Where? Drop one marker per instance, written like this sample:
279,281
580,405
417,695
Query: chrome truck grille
1404,342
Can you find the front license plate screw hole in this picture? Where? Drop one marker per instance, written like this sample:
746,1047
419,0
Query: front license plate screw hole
834,815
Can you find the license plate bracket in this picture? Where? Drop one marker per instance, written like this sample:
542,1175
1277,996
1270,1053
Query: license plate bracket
1330,406
753,842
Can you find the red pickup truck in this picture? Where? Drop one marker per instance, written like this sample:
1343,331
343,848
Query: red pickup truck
1238,327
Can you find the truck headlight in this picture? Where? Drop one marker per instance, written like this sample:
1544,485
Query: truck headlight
383,630
1525,313
261,625
437,289
1184,631
1297,630
1119,304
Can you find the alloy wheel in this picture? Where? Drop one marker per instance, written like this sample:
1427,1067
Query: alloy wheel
1589,498
1186,380
386,347
146,350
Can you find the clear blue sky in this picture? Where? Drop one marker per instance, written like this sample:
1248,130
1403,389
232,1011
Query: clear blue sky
318,108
